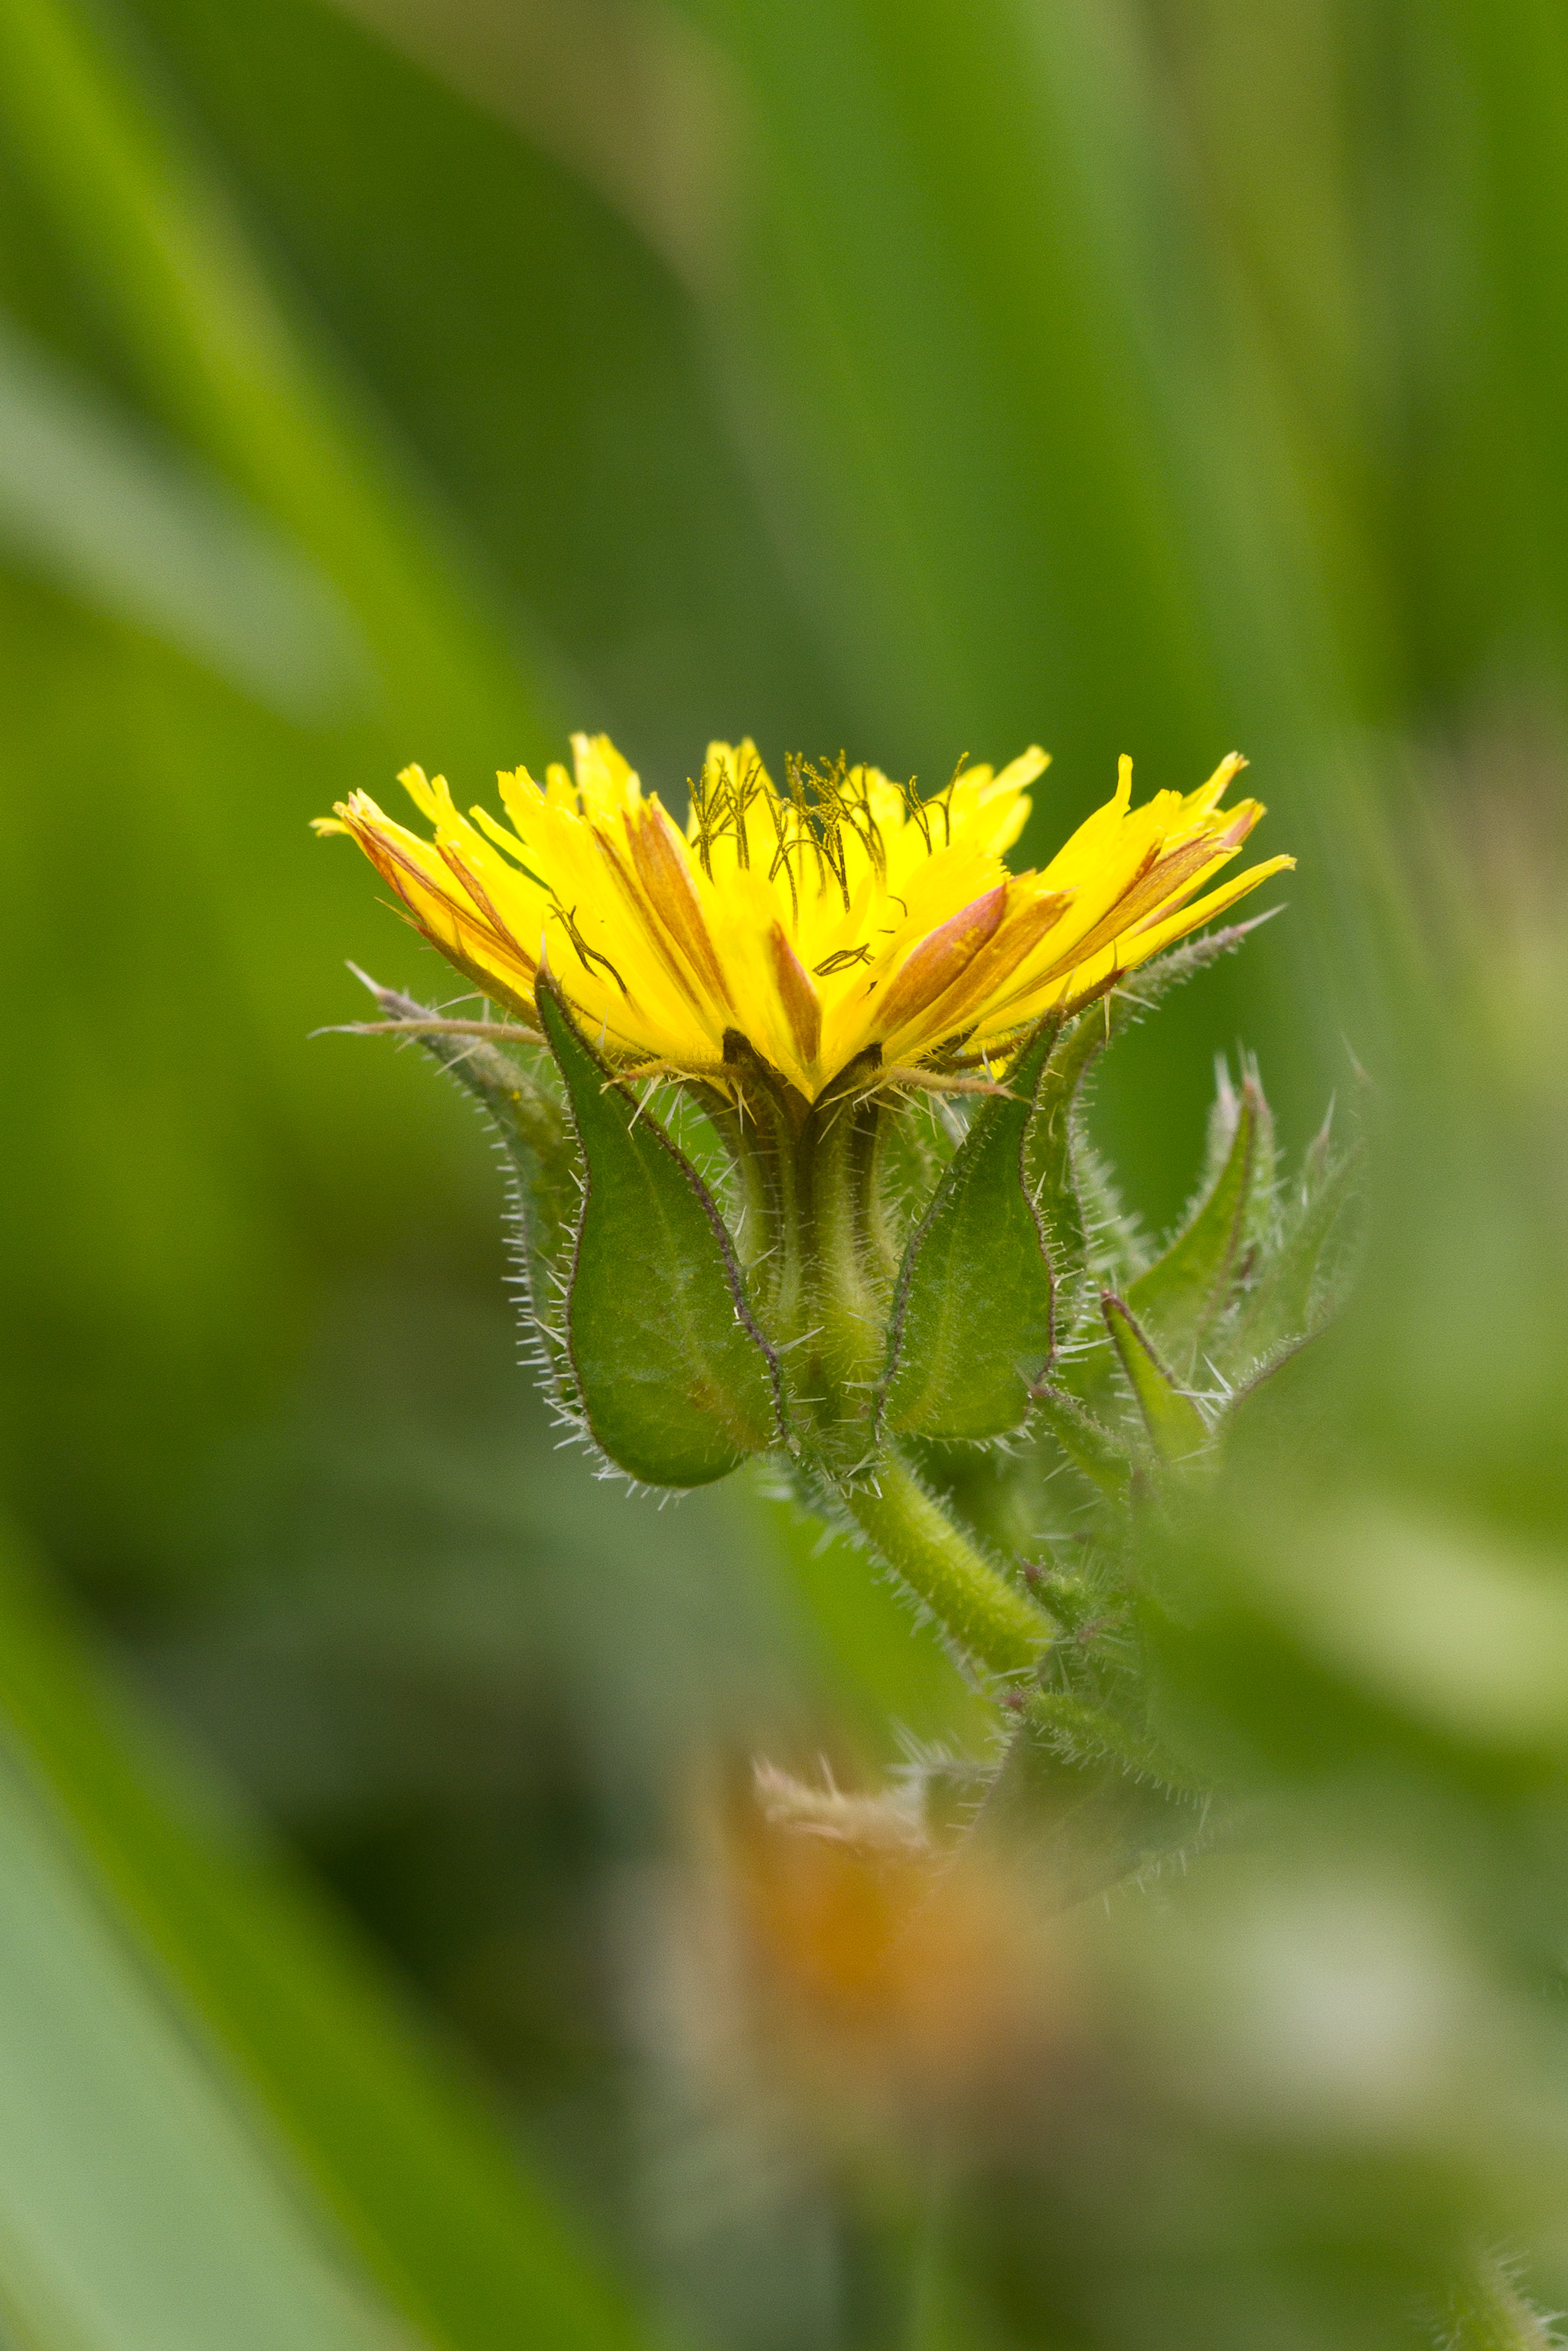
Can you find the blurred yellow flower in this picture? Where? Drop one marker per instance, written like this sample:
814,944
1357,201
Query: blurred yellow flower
840,913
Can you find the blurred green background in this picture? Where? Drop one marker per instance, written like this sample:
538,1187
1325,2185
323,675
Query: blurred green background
421,379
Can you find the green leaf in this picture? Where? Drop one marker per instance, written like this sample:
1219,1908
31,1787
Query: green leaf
1085,1229
1092,1734
917,1150
381,2126
1183,1295
1104,1458
1084,1233
1051,1172
531,1131
1295,1291
971,1322
676,1382
1174,1422
1088,1798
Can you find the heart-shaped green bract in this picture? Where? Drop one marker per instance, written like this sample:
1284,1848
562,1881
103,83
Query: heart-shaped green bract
676,1383
971,1324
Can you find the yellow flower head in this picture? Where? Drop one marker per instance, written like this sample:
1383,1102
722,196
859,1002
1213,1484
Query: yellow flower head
839,913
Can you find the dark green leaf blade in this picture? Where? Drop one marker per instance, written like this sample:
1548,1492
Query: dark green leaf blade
971,1323
676,1382
1175,1426
1183,1295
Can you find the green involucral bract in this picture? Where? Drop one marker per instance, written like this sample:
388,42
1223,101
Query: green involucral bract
1175,1426
535,1142
946,1331
971,1323
1300,1279
1181,1297
676,1381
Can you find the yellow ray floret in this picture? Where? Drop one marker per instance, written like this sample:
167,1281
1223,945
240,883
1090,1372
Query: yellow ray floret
839,912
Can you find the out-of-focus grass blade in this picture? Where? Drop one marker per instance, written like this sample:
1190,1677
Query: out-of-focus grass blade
416,2171
164,257
89,500
138,2212
542,363
1517,52
984,302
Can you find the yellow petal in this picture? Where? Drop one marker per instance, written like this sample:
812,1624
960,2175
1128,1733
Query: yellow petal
839,911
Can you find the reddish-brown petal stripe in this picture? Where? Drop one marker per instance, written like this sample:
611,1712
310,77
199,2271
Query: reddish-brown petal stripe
394,864
1155,886
798,996
647,923
1020,932
941,958
476,891
660,859
410,881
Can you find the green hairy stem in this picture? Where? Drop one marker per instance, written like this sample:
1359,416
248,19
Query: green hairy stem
974,1604
835,1230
